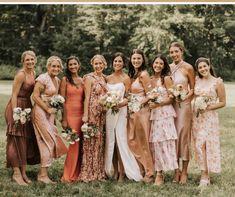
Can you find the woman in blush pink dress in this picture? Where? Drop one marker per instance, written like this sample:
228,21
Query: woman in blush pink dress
182,73
49,142
205,127
72,90
92,167
21,146
163,133
139,122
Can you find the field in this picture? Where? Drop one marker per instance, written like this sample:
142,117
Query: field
222,185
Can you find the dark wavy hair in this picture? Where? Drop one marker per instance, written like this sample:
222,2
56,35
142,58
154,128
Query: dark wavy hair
166,70
207,61
131,71
117,55
67,71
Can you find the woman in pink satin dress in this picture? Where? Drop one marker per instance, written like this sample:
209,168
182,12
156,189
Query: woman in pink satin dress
72,90
205,127
50,144
182,73
21,146
139,122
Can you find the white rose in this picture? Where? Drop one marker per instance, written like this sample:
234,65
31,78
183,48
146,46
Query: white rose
27,110
23,119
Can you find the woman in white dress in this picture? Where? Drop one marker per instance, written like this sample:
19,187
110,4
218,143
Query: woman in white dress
118,158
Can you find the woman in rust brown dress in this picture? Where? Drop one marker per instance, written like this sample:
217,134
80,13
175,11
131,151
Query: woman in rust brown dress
49,142
139,122
21,142
92,167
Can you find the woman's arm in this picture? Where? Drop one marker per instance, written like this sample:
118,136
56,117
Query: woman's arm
87,86
62,92
221,95
17,83
146,82
191,78
127,83
38,90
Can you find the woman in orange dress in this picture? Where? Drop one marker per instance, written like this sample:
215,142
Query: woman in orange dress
49,142
72,90
139,122
22,146
92,167
182,73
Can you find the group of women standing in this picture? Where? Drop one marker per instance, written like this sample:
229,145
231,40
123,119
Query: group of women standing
135,145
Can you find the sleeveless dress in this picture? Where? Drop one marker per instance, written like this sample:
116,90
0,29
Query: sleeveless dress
49,142
74,111
21,146
205,129
138,132
92,167
183,115
163,135
116,131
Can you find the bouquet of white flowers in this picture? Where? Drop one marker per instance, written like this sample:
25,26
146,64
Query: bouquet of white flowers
110,101
201,103
70,135
56,102
21,115
89,130
178,92
134,104
155,94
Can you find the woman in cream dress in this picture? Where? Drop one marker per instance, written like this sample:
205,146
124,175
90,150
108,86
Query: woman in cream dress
118,158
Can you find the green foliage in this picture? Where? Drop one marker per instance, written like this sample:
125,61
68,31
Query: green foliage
85,30
7,72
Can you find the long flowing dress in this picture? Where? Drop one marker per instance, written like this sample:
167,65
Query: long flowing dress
183,111
138,132
116,130
22,146
50,144
163,134
74,111
205,129
92,167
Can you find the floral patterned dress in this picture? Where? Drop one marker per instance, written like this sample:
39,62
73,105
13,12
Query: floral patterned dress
92,167
205,129
163,135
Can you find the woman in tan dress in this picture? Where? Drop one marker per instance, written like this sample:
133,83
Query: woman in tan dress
22,146
182,73
92,167
139,122
50,144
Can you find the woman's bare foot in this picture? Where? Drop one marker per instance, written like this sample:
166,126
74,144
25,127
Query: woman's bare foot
183,178
26,179
159,180
19,179
121,178
176,178
45,179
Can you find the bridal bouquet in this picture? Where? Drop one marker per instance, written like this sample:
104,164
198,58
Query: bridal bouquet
201,103
155,95
133,104
56,102
89,130
21,115
110,101
178,92
70,135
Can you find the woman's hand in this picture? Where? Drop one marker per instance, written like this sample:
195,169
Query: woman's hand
153,105
64,124
85,119
51,110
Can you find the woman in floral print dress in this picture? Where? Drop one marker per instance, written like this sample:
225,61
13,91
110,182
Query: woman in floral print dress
205,127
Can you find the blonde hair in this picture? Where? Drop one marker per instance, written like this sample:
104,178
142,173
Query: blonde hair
31,53
101,57
54,58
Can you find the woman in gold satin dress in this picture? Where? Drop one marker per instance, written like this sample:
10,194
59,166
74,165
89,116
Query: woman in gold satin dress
139,122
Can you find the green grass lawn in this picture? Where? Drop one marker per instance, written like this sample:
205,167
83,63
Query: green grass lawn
222,185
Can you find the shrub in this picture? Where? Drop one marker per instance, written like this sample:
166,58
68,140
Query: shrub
7,72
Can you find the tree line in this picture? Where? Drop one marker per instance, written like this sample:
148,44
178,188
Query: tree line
84,30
